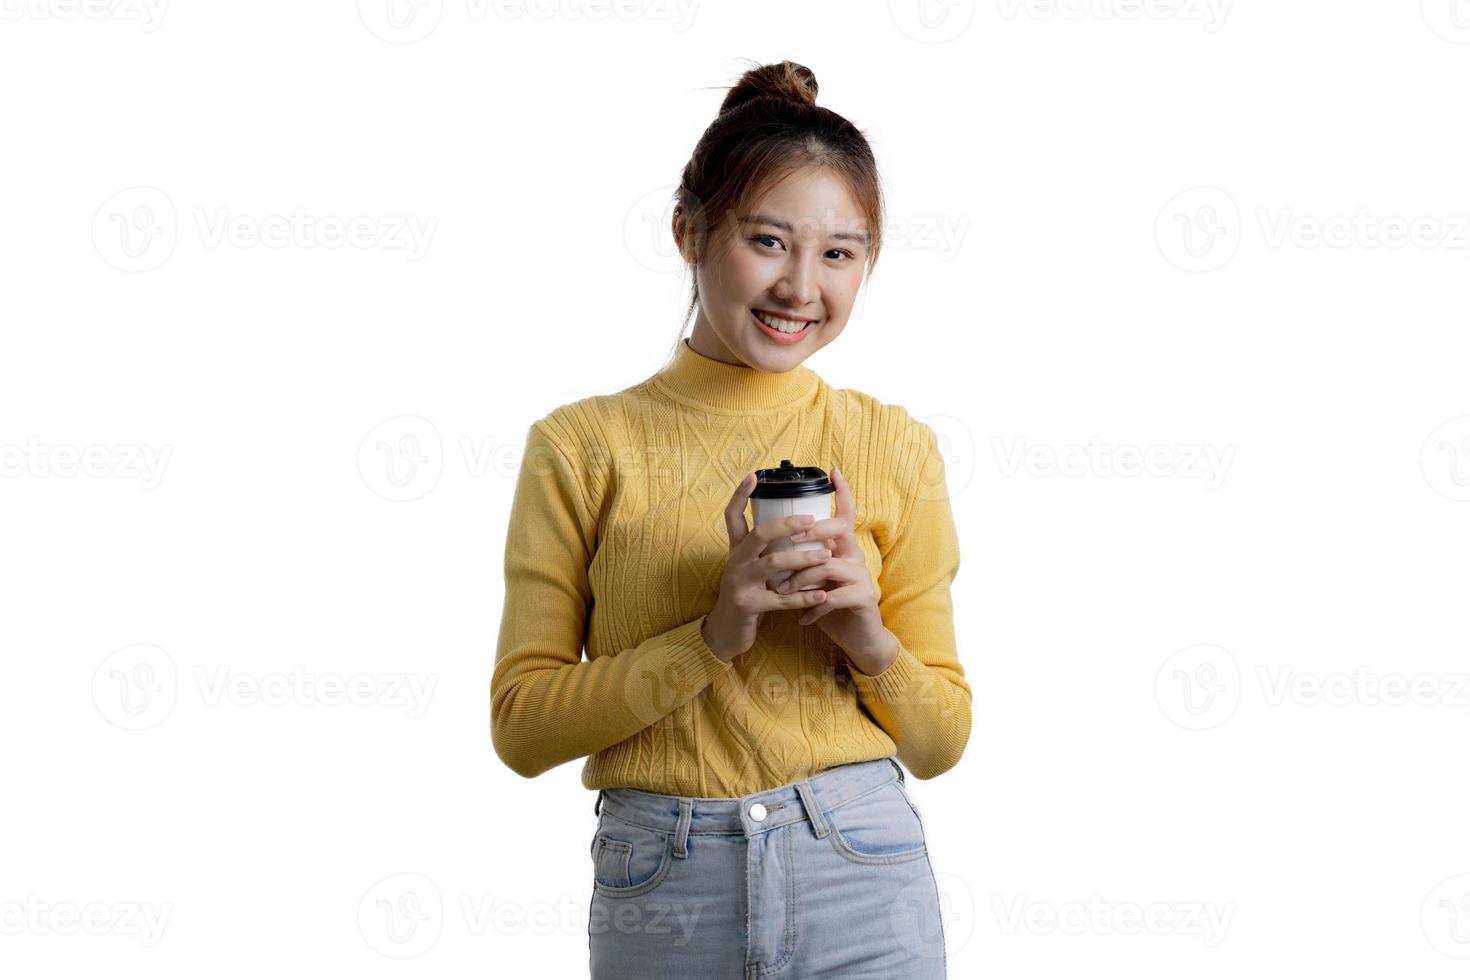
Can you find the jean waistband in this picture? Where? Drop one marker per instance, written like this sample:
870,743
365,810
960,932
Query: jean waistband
755,813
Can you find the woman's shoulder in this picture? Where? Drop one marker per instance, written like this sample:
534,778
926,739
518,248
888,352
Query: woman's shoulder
592,420
889,426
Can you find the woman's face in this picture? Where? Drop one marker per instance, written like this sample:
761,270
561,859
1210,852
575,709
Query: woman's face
799,252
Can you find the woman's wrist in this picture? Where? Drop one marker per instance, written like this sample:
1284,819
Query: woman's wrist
715,646
875,663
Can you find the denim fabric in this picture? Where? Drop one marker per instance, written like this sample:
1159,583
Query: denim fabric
831,880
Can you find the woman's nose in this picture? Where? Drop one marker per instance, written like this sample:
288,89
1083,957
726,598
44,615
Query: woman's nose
799,285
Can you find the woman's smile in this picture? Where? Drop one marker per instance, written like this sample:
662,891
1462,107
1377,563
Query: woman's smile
780,336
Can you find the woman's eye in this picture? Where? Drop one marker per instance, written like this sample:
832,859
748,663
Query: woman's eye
773,238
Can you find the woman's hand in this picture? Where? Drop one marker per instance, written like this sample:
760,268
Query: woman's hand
730,627
849,615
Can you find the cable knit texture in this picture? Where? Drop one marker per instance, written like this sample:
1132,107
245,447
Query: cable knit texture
617,542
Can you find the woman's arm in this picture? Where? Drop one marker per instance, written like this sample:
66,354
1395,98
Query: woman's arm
921,699
547,706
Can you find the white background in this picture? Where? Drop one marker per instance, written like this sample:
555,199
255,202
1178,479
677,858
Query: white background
1230,693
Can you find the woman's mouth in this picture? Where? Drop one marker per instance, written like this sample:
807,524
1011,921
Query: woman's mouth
772,327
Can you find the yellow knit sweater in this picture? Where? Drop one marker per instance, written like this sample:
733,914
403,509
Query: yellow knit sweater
617,541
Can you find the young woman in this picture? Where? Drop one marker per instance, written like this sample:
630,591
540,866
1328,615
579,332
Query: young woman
744,740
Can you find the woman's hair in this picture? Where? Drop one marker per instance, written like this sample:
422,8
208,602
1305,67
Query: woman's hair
768,127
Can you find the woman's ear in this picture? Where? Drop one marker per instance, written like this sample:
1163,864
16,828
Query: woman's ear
680,226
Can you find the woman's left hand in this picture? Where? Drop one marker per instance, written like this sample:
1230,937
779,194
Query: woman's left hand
849,615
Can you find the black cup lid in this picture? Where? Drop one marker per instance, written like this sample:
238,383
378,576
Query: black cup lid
791,481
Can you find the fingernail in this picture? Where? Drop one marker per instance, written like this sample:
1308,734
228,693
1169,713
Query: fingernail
784,587
805,519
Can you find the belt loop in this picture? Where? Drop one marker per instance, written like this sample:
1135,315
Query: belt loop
808,796
681,834
897,767
597,806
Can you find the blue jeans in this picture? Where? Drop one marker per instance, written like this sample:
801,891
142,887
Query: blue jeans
826,877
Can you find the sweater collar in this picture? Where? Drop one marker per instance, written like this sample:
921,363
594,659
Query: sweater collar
714,385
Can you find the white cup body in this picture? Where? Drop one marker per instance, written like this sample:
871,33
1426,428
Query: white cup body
764,509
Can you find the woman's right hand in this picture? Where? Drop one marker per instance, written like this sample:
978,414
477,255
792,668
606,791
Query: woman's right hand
729,628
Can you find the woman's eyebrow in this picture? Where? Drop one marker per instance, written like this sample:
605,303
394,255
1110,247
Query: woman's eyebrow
765,219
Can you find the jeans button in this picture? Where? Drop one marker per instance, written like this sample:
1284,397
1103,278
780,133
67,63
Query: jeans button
758,812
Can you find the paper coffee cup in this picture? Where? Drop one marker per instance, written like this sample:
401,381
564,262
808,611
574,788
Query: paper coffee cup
785,490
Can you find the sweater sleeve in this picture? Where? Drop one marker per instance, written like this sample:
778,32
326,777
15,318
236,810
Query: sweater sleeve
921,699
547,706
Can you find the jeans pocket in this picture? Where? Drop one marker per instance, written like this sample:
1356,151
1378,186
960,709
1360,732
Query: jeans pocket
912,805
629,860
879,827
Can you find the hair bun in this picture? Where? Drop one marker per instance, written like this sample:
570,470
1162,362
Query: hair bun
786,80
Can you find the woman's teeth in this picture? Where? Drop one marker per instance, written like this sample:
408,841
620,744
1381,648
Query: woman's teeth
785,326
